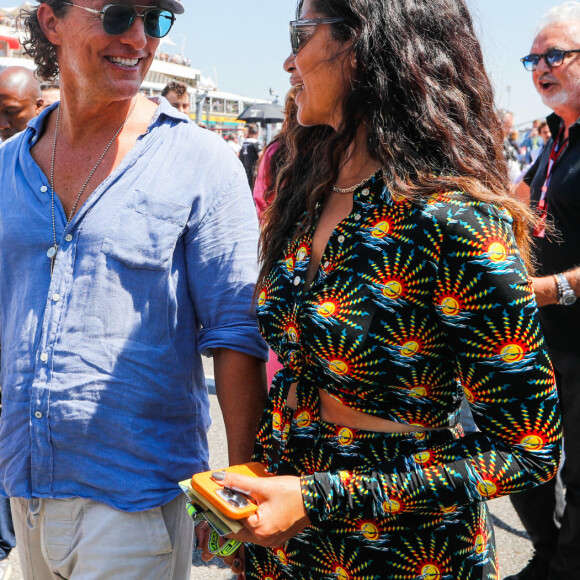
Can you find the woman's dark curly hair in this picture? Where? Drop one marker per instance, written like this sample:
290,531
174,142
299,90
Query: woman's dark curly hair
423,95
36,45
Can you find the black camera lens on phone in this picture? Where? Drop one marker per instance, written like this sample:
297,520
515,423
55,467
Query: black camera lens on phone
234,498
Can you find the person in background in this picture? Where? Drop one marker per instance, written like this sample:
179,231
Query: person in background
177,95
544,132
20,100
531,143
7,537
530,155
128,242
551,186
250,153
273,156
513,140
391,285
50,94
510,147
544,136
265,174
232,141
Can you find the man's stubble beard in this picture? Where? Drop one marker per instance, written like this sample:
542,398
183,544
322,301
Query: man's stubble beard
569,96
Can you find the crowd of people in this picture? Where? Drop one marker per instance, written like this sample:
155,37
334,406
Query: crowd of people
8,20
522,151
399,270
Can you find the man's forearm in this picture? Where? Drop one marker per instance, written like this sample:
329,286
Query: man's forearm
241,390
546,289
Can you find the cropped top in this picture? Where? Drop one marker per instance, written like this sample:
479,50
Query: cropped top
413,305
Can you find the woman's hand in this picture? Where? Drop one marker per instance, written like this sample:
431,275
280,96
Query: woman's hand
235,561
281,513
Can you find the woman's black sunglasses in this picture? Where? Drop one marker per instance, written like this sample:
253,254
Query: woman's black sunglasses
302,30
553,58
118,18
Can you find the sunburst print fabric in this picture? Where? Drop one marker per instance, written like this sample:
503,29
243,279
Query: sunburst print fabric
413,306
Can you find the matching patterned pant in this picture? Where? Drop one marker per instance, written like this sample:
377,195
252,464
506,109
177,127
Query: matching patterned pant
453,544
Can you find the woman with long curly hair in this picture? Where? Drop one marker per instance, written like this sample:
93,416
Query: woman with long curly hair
393,284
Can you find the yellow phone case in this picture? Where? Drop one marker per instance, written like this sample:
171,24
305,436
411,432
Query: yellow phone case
203,484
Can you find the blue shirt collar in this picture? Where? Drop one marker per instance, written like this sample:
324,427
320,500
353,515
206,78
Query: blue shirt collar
164,108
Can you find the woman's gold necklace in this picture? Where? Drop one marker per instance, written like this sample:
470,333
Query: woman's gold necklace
355,187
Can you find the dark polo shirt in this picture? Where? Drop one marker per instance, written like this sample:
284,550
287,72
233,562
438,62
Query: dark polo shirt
560,251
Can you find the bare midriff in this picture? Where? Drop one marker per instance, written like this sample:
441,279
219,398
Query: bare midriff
333,411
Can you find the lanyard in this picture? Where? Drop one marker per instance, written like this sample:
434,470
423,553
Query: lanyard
558,148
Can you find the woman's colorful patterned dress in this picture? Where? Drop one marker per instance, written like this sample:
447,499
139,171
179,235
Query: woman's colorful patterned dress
413,306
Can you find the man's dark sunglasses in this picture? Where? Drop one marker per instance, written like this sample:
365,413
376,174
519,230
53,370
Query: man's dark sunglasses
302,30
553,58
118,18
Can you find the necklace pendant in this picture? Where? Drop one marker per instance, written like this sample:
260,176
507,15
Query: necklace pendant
51,253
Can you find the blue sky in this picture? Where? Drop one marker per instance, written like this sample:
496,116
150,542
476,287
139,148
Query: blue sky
244,43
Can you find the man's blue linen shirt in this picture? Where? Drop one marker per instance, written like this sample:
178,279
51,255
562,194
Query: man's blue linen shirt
103,388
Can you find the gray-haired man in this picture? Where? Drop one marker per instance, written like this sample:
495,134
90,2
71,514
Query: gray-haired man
552,186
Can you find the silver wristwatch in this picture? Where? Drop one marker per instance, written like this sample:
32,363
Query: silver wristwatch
566,296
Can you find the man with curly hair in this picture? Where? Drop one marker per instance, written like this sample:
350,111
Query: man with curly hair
128,244
177,95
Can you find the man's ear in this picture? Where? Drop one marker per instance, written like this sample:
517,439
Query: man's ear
49,23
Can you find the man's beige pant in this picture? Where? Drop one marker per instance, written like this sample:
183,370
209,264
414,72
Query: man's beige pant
80,539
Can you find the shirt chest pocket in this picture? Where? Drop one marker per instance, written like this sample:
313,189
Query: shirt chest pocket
144,232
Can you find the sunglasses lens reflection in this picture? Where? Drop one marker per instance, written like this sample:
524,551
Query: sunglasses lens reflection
158,23
299,36
119,18
554,57
530,62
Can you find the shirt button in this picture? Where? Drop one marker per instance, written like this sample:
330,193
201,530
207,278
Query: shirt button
326,264
68,238
365,192
56,297
38,415
357,217
44,189
43,357
341,239
296,280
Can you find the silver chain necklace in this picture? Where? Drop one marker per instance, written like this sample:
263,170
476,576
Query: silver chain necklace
53,250
354,187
